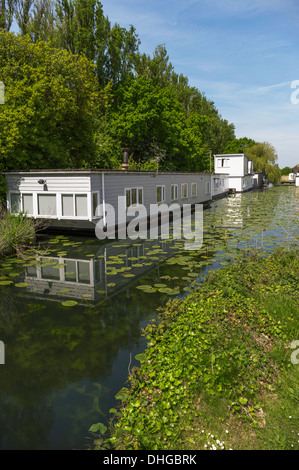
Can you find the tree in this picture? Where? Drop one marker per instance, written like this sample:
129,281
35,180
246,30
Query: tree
48,119
7,8
22,14
239,145
151,120
264,159
42,22
83,29
286,171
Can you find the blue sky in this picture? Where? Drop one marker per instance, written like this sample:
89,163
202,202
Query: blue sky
242,54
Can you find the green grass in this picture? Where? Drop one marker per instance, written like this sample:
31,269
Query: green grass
16,232
217,371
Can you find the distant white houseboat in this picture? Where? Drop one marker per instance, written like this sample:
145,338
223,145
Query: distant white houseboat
239,169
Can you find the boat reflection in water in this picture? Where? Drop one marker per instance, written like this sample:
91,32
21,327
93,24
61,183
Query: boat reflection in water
106,272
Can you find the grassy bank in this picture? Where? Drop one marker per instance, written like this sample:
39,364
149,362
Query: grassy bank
218,371
16,232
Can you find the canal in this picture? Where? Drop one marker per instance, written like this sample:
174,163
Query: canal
72,313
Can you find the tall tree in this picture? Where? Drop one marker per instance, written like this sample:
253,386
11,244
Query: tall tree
22,14
48,120
42,22
7,8
151,118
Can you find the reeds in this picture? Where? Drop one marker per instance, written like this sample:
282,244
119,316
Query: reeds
16,232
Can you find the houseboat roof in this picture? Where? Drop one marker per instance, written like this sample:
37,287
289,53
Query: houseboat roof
97,170
231,155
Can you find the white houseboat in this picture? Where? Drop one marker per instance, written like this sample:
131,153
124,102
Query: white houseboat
239,169
77,199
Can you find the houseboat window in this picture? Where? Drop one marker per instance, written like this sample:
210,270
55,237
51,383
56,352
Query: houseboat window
134,196
74,205
28,203
208,187
194,189
46,204
140,196
67,205
15,202
174,192
95,204
184,189
216,183
81,205
223,162
160,194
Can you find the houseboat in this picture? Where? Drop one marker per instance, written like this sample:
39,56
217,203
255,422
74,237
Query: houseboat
78,199
239,169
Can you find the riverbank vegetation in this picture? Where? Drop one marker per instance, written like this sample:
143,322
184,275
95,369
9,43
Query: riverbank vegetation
78,90
16,233
219,371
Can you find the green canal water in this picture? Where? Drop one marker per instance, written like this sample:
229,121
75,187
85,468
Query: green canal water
71,316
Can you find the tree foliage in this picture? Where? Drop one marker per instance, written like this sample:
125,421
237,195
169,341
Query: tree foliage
50,106
286,171
239,145
264,159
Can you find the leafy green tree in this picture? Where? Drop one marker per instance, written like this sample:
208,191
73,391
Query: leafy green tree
157,68
42,22
48,119
286,171
151,121
239,145
264,159
84,29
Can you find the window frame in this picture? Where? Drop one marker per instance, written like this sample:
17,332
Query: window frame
43,216
192,186
137,188
176,191
163,193
94,209
184,185
20,201
74,216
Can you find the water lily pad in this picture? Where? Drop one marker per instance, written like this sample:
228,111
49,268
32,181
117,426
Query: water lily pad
5,283
21,284
69,303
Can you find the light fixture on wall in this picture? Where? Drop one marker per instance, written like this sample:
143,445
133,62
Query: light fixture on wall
44,183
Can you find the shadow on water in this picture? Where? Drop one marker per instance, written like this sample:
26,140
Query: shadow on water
71,317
